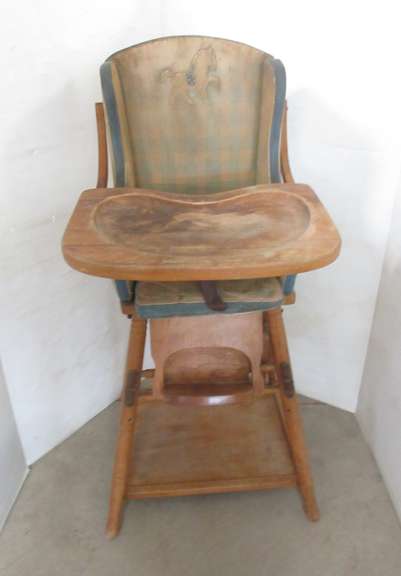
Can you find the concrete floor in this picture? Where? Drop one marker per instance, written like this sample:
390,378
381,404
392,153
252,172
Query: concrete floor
56,527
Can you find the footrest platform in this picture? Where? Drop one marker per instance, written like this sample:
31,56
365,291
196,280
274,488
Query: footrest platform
201,450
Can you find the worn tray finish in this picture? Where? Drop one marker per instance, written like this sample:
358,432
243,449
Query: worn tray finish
258,231
201,450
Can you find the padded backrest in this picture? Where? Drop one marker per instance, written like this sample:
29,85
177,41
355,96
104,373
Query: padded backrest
193,114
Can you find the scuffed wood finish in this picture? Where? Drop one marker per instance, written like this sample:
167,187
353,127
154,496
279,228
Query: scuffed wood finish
169,336
204,376
220,365
199,116
259,231
136,347
209,449
291,413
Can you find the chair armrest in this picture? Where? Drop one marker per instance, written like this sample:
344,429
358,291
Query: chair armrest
102,170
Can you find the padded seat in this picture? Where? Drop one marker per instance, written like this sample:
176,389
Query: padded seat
165,299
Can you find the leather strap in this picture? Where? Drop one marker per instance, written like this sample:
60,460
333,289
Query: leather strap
211,296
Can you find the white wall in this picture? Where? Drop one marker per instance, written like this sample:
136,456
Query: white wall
344,92
61,335
379,406
13,468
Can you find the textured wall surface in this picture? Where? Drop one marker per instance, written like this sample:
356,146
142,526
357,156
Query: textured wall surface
13,468
379,406
62,337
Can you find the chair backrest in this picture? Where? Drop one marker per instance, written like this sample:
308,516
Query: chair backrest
194,114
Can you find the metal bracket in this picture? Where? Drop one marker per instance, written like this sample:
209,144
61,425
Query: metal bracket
287,379
269,374
132,387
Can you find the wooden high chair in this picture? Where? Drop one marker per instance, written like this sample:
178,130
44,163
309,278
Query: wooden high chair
203,232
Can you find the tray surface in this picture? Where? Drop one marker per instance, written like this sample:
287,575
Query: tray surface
183,228
259,231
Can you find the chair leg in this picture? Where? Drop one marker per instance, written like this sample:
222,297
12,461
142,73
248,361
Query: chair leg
123,456
291,412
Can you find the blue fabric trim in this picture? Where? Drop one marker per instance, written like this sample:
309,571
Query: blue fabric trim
275,133
165,311
289,283
123,287
125,290
114,122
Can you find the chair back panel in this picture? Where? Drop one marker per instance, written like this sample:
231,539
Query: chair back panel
193,114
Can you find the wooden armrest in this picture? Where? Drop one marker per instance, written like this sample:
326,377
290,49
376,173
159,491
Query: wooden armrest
102,171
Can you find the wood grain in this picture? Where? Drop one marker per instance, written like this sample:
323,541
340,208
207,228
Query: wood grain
136,347
220,365
259,231
243,332
102,172
203,450
291,413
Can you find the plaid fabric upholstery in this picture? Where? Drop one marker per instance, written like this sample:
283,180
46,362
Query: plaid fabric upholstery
164,299
193,114
185,113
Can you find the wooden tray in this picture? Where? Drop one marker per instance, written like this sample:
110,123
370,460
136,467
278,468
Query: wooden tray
259,231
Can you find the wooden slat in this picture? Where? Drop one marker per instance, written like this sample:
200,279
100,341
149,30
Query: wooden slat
136,492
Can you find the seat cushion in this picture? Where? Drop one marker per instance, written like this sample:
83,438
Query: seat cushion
164,299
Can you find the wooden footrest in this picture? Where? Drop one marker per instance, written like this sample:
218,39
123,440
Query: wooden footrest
201,450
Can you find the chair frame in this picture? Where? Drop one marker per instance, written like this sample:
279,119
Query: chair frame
275,366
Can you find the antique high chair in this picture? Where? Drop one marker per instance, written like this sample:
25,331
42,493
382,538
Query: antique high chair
203,233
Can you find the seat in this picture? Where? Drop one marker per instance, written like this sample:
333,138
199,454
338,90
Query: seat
166,299
199,115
